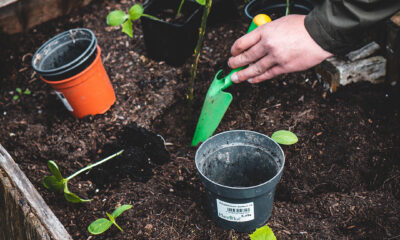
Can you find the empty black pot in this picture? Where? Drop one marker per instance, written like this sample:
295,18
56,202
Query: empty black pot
240,170
172,42
66,54
277,7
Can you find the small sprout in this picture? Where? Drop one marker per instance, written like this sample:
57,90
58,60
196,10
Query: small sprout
119,17
57,183
263,233
102,224
284,137
19,93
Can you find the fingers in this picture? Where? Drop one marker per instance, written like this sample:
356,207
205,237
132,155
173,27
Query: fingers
254,70
245,58
245,42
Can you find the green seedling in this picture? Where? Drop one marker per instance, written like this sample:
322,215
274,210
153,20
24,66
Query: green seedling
119,17
19,93
57,183
263,233
102,224
284,137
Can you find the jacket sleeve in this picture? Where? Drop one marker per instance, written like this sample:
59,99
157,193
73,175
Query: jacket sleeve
338,25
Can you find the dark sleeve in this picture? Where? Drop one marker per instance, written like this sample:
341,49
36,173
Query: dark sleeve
337,25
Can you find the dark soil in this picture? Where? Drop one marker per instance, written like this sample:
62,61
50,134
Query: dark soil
340,181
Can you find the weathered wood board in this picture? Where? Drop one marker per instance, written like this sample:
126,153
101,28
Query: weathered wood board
23,212
19,15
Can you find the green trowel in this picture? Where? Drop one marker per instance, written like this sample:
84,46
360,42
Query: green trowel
217,101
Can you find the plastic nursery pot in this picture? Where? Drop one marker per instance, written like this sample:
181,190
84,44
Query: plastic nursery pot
277,8
66,54
240,170
87,93
172,42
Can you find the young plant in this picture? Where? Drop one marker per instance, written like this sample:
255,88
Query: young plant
197,50
284,137
119,17
19,93
263,233
102,224
57,183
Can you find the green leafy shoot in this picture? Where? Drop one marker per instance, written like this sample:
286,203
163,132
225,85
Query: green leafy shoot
119,17
57,183
284,137
19,93
102,224
263,233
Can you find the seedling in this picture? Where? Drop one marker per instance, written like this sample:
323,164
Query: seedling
102,224
57,183
19,93
284,137
263,233
119,17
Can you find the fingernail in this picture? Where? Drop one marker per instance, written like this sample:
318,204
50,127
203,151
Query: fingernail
234,78
250,80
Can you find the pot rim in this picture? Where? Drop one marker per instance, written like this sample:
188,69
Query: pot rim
276,176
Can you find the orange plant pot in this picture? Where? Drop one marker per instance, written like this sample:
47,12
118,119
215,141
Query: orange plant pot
87,93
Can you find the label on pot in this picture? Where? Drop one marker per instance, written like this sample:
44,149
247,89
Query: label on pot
65,101
235,212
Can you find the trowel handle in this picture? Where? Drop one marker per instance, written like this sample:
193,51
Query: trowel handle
258,20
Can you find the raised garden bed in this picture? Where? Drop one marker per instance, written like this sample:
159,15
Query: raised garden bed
341,180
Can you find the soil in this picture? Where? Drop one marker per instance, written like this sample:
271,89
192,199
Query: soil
340,181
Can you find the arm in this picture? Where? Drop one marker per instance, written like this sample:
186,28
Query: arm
296,42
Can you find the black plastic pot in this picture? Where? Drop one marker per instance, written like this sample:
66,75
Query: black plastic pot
277,8
240,170
66,54
168,41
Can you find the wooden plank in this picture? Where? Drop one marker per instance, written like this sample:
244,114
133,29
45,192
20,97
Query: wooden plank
4,3
23,212
19,15
357,66
393,50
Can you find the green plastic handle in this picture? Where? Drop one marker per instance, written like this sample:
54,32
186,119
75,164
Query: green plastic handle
228,81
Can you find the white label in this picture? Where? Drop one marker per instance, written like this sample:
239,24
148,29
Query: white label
235,212
65,101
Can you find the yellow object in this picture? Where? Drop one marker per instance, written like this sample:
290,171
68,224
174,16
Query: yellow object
261,19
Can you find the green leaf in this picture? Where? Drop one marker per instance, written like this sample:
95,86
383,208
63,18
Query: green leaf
284,137
15,97
263,233
54,170
120,210
18,90
72,197
53,184
201,2
99,226
127,28
136,12
27,92
116,18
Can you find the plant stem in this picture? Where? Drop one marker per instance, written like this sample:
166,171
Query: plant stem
118,226
151,17
179,9
198,49
94,165
287,7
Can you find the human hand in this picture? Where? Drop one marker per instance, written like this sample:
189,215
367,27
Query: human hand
278,47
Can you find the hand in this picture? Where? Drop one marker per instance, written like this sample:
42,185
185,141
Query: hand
278,47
